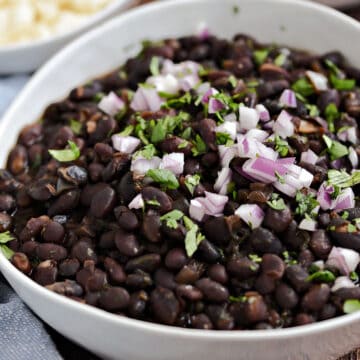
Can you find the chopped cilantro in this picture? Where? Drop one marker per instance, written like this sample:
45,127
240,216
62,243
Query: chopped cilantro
193,236
235,9
331,114
305,203
260,56
322,276
175,103
335,149
66,155
155,66
75,126
172,217
280,60
352,228
342,179
191,181
186,134
153,202
313,110
255,258
223,138
336,78
236,299
345,215
164,177
281,146
147,152
6,237
354,276
199,146
232,81
351,305
167,125
303,87
279,178
276,202
127,131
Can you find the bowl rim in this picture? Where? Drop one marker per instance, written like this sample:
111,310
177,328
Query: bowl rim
92,20
155,328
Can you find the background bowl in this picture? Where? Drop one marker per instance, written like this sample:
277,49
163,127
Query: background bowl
29,56
295,23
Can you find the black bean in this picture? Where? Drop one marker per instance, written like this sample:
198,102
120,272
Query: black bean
53,232
114,299
218,273
83,250
21,262
74,174
148,263
320,244
348,293
7,203
40,190
91,278
220,317
201,321
69,267
151,227
208,252
107,240
126,218
327,312
306,258
303,319
171,144
328,97
189,273
217,231
29,248
295,238
346,239
175,259
45,273
272,266
316,298
30,134
49,251
139,280
207,131
67,288
137,304
116,167
89,191
297,276
286,296
265,284
5,222
212,290
242,267
65,203
277,220
165,278
265,241
18,160
270,88
115,271
150,193
164,305
103,202
127,243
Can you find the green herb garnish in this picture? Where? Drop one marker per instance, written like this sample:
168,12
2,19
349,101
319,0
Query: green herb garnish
279,177
341,179
336,78
255,258
193,237
331,114
303,87
6,237
152,202
260,56
167,126
335,149
322,276
351,305
199,146
147,152
155,66
223,138
276,202
305,203
75,126
172,218
164,177
66,155
313,110
280,60
127,131
281,146
191,181
233,81
236,299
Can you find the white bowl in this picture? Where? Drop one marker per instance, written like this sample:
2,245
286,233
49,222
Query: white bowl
295,23
26,57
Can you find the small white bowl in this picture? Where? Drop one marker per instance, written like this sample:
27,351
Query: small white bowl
26,57
295,23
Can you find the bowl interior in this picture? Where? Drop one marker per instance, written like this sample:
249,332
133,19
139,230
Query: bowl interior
293,23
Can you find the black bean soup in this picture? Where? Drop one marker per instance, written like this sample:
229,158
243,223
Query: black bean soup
207,184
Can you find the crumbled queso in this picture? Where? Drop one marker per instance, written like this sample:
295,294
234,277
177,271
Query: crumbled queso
28,20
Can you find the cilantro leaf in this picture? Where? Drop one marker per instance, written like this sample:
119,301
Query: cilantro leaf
75,126
341,179
260,56
127,131
335,149
303,87
164,177
336,78
281,146
322,276
199,146
233,81
236,299
178,102
167,125
191,181
147,152
276,202
155,65
67,154
6,237
193,237
306,203
331,114
313,110
223,138
172,218
351,305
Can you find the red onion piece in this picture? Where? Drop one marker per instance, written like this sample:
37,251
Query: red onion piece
212,204
308,225
137,202
111,104
269,125
189,82
257,134
263,112
252,214
348,134
203,31
286,161
165,83
227,153
319,81
230,118
283,125
345,200
180,70
223,180
285,188
249,118
353,157
173,162
197,209
125,144
342,282
345,260
288,99
141,166
324,196
215,105
309,157
208,94
252,148
146,99
228,127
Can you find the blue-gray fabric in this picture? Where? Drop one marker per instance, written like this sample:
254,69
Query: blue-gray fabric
22,334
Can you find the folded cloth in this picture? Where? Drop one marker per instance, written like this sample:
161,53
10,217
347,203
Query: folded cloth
22,334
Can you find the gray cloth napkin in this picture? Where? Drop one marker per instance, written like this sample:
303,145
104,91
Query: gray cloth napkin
22,334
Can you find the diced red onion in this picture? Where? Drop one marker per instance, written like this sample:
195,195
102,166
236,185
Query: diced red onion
285,188
288,99
223,180
302,175
309,157
230,117
137,202
189,82
319,81
263,112
252,214
324,196
251,148
197,209
308,224
181,69
173,162
269,125
215,203
125,144
228,127
227,153
141,166
203,88
348,134
353,157
249,118
342,282
203,31
345,260
215,105
286,161
146,99
345,200
165,83
283,126
111,104
257,134
208,94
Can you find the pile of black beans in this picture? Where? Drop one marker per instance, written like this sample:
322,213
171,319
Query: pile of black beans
74,233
